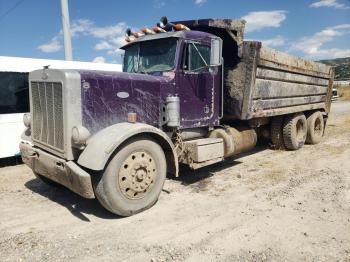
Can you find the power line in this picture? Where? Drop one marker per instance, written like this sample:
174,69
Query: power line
11,9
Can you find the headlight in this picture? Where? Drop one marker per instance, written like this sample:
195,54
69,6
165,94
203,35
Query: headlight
80,135
26,120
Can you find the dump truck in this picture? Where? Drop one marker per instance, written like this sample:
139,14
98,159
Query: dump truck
191,92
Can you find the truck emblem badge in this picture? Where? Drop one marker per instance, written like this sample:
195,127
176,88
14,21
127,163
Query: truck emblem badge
44,76
123,94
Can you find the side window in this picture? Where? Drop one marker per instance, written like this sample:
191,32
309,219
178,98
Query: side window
130,59
196,56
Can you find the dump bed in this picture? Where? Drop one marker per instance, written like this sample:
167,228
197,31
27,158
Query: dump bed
266,82
262,82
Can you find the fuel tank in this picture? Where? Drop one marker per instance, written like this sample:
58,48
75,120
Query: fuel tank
236,139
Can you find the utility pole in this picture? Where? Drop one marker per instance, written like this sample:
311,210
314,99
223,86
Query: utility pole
68,54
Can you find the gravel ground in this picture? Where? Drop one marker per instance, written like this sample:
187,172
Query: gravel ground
263,206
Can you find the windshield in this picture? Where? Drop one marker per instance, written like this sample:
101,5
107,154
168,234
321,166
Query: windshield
150,56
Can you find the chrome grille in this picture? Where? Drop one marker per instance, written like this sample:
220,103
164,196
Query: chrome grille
47,115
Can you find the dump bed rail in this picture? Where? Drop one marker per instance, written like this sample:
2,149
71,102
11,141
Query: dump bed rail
273,83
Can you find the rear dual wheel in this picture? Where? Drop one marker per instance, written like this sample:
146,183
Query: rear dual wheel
288,132
133,179
277,132
294,131
315,128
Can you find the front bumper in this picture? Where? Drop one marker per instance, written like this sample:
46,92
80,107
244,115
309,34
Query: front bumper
66,173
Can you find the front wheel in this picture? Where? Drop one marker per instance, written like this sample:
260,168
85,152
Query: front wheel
133,179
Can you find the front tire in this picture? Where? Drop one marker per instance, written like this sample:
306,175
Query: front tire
133,179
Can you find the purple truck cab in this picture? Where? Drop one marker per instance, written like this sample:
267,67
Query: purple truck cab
195,94
108,97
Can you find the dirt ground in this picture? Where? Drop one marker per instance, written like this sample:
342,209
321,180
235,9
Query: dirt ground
264,206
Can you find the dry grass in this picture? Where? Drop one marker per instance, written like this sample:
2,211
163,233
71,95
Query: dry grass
344,92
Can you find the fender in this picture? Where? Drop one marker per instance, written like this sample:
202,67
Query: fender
101,145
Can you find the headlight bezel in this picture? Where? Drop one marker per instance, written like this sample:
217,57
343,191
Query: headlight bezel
80,135
27,120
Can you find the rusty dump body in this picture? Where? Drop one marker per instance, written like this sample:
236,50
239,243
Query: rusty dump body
262,82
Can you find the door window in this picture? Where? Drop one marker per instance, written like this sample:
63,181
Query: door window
196,57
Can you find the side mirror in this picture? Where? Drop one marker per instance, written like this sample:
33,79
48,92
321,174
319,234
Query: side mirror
216,52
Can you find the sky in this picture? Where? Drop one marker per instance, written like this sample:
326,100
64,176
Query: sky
313,29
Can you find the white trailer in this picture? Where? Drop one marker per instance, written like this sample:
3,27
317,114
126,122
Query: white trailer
14,100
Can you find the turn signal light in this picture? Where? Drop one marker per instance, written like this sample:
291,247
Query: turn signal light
132,117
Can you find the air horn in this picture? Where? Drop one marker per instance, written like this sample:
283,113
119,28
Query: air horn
165,24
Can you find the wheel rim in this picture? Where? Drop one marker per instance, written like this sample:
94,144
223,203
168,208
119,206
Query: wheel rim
318,127
137,175
300,130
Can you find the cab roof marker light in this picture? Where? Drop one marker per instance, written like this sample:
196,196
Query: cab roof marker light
128,39
158,29
137,34
147,31
179,27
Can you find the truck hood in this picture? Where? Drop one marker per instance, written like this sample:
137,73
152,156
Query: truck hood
108,97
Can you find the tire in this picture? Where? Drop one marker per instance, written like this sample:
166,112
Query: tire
47,181
277,132
294,131
315,128
133,179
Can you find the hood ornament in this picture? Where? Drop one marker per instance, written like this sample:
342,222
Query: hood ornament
45,75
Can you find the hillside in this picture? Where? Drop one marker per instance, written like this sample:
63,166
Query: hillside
342,67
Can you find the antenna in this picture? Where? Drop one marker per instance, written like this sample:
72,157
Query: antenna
68,54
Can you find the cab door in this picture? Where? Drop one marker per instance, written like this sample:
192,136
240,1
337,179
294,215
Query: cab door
199,86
